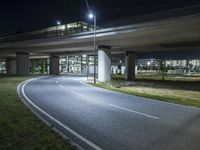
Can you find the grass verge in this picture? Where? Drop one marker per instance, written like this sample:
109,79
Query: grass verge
19,128
186,93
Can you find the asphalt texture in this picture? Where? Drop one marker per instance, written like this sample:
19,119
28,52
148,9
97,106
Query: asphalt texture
112,120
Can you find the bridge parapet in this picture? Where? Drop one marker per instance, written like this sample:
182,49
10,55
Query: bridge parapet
59,30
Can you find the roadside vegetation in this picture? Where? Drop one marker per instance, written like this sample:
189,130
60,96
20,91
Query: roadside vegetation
167,77
159,76
20,129
180,90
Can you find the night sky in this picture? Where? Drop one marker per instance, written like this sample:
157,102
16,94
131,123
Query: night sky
23,15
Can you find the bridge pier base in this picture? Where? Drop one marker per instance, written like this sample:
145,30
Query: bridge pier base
104,63
11,66
130,63
22,63
54,65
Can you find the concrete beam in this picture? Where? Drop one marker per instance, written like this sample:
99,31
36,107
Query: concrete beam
22,63
54,65
104,64
130,63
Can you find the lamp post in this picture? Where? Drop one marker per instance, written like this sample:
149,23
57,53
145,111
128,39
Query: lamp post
58,24
92,16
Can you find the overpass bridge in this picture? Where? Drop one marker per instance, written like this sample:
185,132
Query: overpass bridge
178,32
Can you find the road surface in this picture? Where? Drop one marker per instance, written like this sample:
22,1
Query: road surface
100,119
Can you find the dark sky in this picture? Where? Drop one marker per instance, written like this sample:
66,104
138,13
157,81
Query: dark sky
22,15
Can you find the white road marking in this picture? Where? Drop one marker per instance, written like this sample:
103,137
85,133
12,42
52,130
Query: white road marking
143,98
61,86
77,93
58,122
136,112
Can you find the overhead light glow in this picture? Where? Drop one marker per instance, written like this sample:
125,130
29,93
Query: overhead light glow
91,15
58,23
63,27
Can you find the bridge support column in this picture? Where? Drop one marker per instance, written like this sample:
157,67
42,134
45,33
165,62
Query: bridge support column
68,64
104,63
54,65
88,66
11,66
22,64
130,63
81,64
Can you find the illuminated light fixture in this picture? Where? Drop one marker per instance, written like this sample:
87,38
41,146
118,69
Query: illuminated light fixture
63,27
91,16
58,23
148,63
69,26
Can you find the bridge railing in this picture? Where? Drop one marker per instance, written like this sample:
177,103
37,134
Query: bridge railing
56,31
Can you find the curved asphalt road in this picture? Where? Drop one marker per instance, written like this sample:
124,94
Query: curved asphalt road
100,119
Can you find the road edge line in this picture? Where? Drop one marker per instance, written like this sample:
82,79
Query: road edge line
144,98
47,122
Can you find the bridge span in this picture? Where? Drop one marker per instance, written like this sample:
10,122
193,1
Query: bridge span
169,33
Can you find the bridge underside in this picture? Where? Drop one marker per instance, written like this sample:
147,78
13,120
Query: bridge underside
165,36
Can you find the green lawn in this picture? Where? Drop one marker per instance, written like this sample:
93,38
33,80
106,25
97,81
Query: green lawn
20,129
180,92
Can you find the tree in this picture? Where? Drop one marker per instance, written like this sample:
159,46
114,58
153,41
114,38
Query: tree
163,69
33,68
43,67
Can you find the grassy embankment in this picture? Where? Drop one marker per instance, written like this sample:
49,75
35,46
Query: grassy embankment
19,128
180,90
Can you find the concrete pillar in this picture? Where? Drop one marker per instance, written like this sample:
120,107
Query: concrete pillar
81,64
67,63
136,69
54,65
130,63
87,64
11,66
22,63
104,64
187,66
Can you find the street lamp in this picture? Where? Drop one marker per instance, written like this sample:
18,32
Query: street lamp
92,16
58,23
